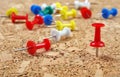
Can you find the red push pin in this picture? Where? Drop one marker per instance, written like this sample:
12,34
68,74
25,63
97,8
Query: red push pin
15,17
97,39
86,13
37,20
32,47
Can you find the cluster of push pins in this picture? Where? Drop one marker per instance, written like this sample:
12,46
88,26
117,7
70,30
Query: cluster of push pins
44,15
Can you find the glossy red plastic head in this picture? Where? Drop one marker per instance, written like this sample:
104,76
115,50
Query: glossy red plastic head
86,13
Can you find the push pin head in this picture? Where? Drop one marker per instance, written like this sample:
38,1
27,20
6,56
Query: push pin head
35,9
106,13
48,19
10,11
86,13
48,10
37,20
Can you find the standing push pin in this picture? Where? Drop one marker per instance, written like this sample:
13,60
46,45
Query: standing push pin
15,17
32,47
71,25
57,35
106,13
85,12
97,39
66,14
9,12
37,20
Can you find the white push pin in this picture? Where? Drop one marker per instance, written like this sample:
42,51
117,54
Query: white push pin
56,35
79,4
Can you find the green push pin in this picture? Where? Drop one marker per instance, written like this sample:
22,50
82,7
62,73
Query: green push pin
48,10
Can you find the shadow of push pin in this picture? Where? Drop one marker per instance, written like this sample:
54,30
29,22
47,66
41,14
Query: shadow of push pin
106,13
37,20
32,47
15,17
57,35
97,39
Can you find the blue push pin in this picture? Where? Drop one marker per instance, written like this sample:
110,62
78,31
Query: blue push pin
35,9
48,19
106,13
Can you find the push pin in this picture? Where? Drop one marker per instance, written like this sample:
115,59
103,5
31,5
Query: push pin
48,19
66,14
9,12
106,13
15,17
32,47
55,6
56,35
35,9
86,13
71,25
37,20
79,4
97,39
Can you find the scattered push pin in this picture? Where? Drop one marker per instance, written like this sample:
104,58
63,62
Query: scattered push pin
106,13
66,14
15,17
32,47
37,20
61,26
97,39
35,9
79,4
56,35
55,6
9,12
86,13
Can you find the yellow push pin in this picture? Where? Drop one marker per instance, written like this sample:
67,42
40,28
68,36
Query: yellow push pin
59,7
66,14
71,25
9,12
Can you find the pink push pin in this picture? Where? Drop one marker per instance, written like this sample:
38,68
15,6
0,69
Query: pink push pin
37,20
97,39
15,17
32,47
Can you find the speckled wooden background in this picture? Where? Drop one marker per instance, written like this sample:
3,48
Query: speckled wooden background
71,57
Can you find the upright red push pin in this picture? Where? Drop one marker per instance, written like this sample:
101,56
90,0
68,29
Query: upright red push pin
15,17
86,13
32,47
37,20
97,39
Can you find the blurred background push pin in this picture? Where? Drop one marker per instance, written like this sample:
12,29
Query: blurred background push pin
15,17
32,47
9,12
97,38
106,13
37,20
